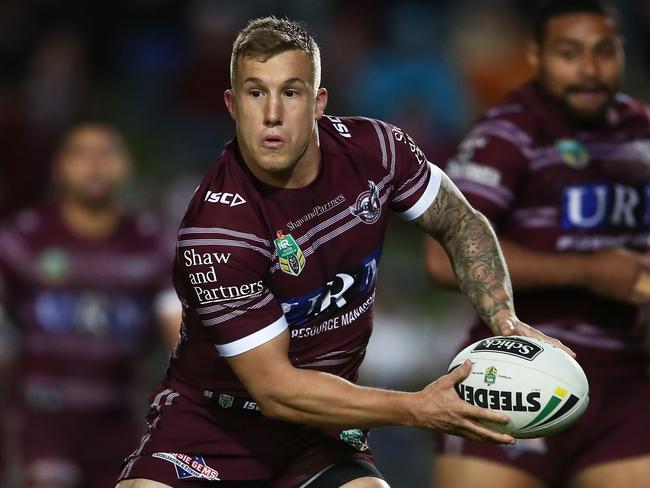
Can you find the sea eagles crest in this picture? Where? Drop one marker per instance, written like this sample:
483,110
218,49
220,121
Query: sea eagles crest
367,207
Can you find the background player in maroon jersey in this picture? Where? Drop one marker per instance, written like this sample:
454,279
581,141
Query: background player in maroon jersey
260,389
85,282
561,169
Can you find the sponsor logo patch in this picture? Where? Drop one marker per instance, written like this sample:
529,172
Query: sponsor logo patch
189,466
606,205
514,347
367,207
335,294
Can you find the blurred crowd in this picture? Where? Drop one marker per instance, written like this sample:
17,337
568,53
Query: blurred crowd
158,70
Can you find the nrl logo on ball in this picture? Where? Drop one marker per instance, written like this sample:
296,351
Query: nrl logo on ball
490,375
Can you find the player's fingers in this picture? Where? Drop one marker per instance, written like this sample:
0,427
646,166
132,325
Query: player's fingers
459,373
527,330
478,413
507,326
486,434
558,343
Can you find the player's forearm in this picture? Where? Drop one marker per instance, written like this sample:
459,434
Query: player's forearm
472,247
527,268
325,400
535,269
479,267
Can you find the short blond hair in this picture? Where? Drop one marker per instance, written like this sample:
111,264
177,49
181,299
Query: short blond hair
265,37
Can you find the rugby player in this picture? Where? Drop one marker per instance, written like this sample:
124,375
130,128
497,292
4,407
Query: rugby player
86,284
562,170
276,266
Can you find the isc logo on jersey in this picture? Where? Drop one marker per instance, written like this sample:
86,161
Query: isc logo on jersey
540,387
225,198
339,126
595,206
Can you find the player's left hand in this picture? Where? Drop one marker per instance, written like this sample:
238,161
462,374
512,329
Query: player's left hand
507,324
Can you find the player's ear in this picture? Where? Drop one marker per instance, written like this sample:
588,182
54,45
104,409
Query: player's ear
321,102
229,99
533,54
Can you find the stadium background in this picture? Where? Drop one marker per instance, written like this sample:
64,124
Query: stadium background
159,68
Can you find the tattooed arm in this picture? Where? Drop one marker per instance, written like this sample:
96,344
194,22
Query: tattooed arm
476,259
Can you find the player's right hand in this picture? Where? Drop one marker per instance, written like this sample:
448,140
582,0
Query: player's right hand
619,274
442,409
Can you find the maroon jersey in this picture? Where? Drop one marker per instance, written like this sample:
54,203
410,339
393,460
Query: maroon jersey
253,260
85,307
554,187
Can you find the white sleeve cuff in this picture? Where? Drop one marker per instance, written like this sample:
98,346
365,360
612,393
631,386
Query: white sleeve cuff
167,304
428,196
255,339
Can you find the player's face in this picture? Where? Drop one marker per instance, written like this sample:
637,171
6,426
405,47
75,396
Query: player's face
275,107
580,63
92,166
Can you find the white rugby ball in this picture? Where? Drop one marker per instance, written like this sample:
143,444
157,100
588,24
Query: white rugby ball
539,386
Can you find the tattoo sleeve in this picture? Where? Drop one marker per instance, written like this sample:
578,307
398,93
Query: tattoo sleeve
473,249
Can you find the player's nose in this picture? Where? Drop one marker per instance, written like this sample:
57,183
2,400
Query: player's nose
273,111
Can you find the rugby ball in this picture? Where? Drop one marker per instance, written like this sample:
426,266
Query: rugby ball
539,386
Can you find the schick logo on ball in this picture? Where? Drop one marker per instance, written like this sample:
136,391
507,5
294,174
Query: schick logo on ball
512,346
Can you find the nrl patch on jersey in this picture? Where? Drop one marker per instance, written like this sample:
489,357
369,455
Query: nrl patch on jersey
290,256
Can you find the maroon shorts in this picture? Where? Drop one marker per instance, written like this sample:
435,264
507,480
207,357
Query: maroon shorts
191,443
70,448
615,426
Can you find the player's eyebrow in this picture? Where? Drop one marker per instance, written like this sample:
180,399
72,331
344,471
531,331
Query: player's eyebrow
572,42
568,41
290,81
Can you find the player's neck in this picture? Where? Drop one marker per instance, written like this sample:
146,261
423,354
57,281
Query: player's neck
93,223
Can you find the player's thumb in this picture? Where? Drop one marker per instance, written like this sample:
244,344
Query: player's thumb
461,372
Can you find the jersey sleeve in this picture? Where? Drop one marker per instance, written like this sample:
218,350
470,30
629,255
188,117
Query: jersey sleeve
13,256
415,180
489,166
220,274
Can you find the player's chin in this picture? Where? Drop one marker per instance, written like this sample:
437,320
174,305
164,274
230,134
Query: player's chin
589,111
275,164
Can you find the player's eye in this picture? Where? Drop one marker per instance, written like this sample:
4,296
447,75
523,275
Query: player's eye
569,55
255,93
290,93
606,50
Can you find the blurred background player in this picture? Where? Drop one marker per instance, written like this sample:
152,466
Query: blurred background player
562,170
85,283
